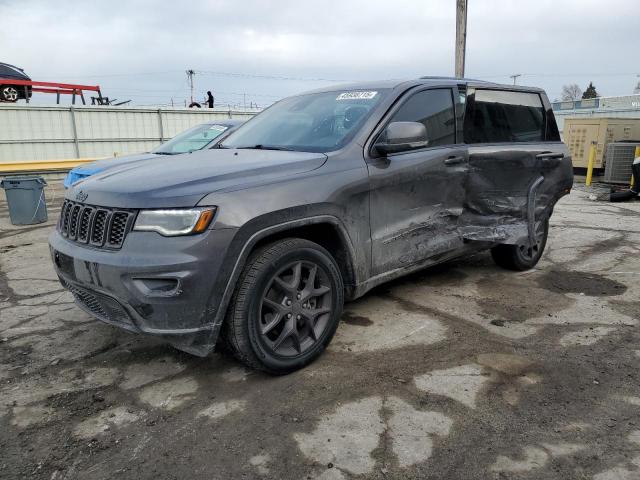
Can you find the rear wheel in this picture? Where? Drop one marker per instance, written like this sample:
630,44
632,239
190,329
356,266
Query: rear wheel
286,307
522,257
9,93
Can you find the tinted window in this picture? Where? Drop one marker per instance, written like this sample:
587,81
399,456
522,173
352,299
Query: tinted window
434,109
497,116
9,71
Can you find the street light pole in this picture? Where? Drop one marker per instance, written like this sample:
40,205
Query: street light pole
190,74
515,76
461,36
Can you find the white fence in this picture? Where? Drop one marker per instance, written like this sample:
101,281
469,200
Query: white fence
45,133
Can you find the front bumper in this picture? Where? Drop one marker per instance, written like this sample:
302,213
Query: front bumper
153,284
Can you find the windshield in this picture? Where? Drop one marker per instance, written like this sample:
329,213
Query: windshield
317,122
190,140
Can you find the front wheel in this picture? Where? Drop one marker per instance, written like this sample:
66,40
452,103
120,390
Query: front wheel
9,93
286,307
522,257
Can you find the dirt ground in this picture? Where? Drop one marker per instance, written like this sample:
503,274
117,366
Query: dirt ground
464,371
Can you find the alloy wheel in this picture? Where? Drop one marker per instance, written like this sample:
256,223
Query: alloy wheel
295,308
10,94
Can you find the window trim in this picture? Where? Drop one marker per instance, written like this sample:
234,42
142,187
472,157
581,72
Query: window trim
398,103
471,100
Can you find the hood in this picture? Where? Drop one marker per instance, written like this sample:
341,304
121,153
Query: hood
105,163
172,181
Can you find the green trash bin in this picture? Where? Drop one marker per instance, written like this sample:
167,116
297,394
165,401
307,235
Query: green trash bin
25,198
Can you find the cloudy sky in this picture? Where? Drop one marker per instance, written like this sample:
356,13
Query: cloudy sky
259,51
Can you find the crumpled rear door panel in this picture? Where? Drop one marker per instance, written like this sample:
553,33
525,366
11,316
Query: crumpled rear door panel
510,187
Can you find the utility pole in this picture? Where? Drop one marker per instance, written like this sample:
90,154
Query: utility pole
514,76
461,36
190,74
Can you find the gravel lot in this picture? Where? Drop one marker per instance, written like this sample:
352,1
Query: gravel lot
463,371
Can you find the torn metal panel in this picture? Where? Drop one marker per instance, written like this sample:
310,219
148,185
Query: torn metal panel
511,187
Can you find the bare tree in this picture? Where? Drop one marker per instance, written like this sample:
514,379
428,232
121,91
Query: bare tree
571,92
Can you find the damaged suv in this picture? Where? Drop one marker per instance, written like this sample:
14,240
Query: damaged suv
316,200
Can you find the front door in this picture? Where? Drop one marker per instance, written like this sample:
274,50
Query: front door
417,195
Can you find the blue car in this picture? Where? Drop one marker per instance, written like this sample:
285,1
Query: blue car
196,138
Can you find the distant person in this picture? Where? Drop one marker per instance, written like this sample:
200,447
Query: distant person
210,99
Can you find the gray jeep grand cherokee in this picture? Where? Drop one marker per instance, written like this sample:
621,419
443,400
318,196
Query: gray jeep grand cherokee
312,202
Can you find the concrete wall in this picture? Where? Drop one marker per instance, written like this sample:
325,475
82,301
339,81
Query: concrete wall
43,133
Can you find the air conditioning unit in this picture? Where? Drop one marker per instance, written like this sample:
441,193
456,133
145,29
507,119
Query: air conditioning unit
580,132
618,159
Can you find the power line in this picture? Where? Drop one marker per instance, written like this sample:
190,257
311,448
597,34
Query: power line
558,75
146,90
213,73
269,77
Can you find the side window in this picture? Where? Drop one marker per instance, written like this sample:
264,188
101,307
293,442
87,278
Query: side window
434,109
500,116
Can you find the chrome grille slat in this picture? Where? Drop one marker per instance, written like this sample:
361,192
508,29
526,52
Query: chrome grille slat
118,228
97,226
85,223
65,217
73,221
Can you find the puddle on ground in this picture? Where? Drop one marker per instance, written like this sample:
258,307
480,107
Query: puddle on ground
590,284
359,320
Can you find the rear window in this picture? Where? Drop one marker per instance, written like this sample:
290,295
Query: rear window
501,116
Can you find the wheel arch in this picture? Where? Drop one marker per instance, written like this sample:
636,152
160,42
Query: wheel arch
325,230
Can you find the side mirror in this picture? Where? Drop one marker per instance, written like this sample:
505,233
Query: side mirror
403,136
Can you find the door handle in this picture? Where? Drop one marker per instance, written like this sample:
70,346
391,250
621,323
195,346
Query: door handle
454,160
550,155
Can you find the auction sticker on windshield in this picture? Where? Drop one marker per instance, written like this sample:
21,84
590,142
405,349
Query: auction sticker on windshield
356,96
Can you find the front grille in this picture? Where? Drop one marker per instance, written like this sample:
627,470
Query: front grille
118,228
99,223
97,226
101,306
83,226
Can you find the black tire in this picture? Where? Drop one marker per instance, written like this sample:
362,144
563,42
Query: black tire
275,325
522,257
622,196
195,104
9,93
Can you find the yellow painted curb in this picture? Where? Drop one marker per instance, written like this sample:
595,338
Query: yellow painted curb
40,165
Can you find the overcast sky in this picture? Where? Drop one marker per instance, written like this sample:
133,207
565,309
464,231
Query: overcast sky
265,50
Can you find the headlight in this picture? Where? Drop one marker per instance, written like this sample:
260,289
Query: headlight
175,222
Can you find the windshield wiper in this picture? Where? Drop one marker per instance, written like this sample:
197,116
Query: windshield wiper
266,147
164,153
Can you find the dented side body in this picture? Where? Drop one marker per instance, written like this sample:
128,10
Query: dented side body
392,214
